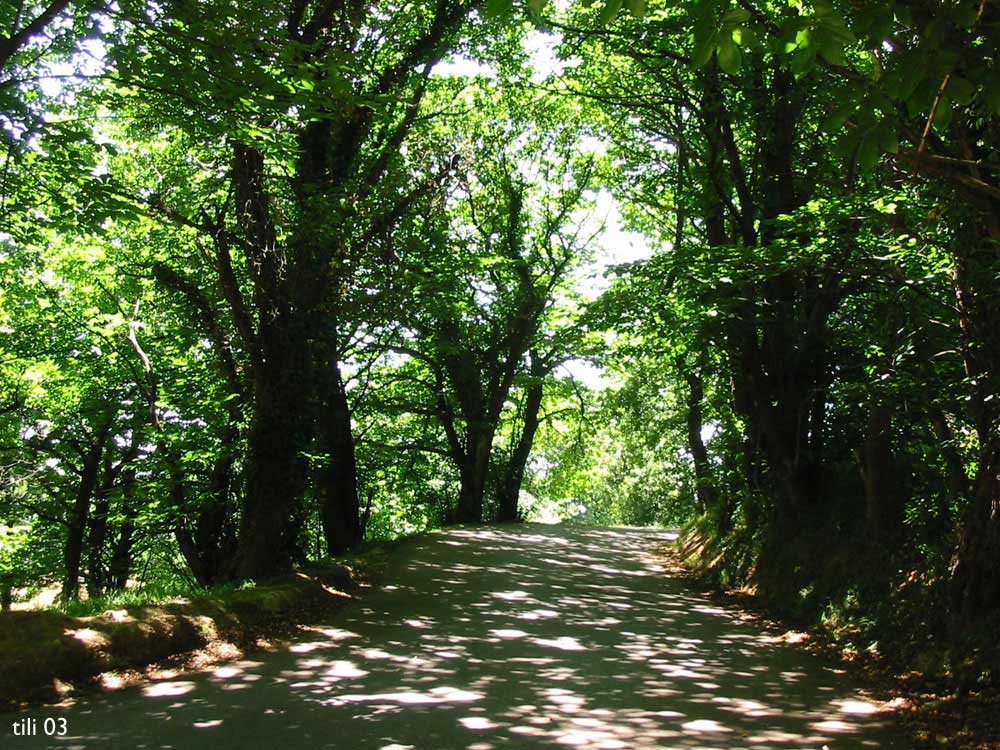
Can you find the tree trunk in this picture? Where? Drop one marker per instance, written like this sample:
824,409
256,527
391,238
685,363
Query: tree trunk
513,475
97,537
120,565
73,549
473,471
206,535
884,499
278,440
705,494
337,480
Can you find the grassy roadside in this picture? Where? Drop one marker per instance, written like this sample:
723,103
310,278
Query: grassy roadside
46,655
933,715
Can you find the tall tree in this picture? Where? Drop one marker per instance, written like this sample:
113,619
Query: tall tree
305,124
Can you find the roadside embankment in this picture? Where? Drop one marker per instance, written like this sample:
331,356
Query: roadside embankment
43,653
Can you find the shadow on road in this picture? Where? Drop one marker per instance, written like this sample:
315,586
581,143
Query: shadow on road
506,637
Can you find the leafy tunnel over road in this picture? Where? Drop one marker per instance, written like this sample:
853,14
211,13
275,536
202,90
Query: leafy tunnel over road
506,637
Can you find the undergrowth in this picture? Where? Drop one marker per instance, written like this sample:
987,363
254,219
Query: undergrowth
150,594
367,564
864,601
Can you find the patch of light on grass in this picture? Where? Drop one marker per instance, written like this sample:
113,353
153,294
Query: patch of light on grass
88,636
511,595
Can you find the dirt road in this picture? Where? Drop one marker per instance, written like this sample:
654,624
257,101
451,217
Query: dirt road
507,637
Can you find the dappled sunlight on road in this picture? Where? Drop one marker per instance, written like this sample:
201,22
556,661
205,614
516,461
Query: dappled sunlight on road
510,637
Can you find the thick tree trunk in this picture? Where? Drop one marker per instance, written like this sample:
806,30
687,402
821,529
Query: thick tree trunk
337,479
215,530
884,498
77,526
120,565
279,438
473,472
276,472
205,533
513,475
97,537
705,494
976,577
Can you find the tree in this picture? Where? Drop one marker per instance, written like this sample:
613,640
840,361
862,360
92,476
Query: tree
302,177
487,278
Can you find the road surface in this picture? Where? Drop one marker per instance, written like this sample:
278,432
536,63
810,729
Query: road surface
502,638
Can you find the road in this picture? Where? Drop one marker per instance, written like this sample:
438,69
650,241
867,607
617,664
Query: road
500,638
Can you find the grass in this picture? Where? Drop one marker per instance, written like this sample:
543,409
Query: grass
151,593
368,563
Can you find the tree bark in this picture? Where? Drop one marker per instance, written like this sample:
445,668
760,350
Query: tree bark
884,497
337,480
97,535
205,531
513,474
77,526
705,494
120,565
473,473
276,464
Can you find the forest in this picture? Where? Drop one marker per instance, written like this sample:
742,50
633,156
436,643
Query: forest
278,278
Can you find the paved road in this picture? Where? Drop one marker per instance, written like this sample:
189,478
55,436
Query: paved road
502,638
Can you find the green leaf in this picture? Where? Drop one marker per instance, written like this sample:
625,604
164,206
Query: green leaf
836,119
868,153
991,96
730,57
905,81
960,90
942,117
498,8
802,61
832,50
888,140
609,11
636,7
535,7
823,8
735,17
703,50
